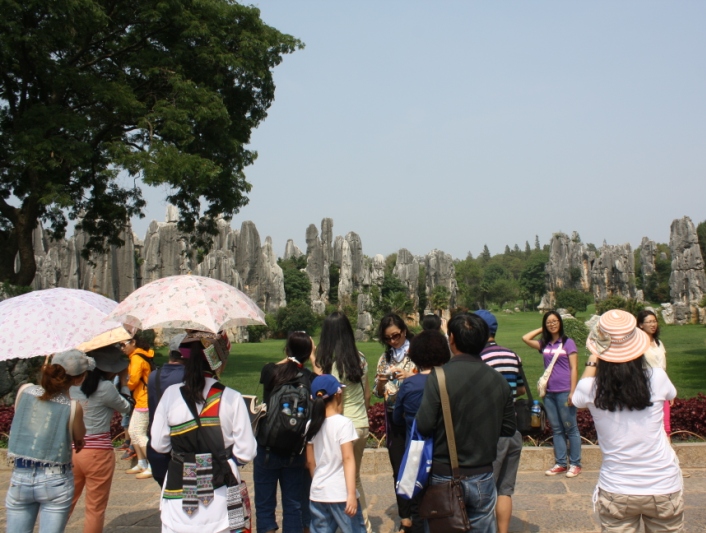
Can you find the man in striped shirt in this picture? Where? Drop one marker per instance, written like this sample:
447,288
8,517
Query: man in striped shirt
507,461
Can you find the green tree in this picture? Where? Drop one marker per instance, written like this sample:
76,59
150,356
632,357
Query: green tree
537,247
297,286
439,298
295,316
573,300
164,93
532,277
485,254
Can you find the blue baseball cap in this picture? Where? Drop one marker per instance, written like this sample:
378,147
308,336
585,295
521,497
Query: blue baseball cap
489,319
325,386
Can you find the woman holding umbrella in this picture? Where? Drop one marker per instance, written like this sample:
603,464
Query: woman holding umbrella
206,427
95,465
46,422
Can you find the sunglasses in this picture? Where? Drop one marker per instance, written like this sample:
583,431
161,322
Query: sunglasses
392,338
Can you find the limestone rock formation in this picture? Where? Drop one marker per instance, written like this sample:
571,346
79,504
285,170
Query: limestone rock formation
440,271
648,253
292,251
570,263
345,281
613,272
317,268
165,252
364,327
377,270
407,271
687,282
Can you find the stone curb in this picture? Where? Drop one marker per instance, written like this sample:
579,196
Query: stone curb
533,459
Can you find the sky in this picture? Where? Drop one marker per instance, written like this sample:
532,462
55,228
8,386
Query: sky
453,124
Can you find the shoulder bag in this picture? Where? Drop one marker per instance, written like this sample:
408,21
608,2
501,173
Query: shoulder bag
443,505
544,378
523,411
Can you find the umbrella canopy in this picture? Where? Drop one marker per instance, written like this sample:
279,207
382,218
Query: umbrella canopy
188,302
119,334
52,321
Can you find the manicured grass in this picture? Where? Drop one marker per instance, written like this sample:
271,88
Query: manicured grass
686,355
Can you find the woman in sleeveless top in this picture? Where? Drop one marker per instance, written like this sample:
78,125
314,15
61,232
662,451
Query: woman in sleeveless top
656,355
42,431
206,427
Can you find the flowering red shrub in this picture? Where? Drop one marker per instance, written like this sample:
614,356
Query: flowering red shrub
376,419
6,414
115,427
689,415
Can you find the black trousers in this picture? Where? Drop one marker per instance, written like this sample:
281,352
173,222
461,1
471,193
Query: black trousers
396,445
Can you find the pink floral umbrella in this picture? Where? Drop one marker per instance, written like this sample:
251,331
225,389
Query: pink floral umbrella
189,302
52,321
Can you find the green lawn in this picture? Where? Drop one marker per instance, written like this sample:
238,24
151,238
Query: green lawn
686,355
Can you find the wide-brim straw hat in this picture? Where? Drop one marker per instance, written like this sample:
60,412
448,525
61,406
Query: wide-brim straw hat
616,338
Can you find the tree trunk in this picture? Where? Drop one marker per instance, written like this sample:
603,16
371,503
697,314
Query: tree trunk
18,239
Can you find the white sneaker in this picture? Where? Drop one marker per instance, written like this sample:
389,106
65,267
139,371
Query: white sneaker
145,474
137,469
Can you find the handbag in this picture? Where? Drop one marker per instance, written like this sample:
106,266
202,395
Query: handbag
523,412
443,505
416,464
256,411
544,378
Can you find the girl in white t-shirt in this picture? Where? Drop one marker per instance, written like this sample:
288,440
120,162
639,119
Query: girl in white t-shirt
329,455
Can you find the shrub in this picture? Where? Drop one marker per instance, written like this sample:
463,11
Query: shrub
578,331
296,316
573,300
618,302
376,419
689,415
256,333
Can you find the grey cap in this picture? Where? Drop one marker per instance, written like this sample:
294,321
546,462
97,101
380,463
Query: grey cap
75,362
175,341
110,359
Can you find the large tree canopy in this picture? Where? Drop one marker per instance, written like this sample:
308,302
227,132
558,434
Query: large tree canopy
96,91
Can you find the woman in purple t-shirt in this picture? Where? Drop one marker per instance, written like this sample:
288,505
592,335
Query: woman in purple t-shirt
561,412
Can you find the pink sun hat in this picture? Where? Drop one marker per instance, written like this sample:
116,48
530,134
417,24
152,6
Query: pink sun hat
616,338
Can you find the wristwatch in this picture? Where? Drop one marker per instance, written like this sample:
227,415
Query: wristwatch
591,363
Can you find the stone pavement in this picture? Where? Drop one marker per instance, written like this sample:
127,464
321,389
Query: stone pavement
541,504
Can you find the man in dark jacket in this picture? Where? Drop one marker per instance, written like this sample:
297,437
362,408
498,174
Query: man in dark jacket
159,380
482,411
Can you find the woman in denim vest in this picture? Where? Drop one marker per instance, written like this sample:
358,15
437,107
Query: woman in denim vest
40,444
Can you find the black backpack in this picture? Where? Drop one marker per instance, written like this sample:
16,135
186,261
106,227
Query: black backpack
284,428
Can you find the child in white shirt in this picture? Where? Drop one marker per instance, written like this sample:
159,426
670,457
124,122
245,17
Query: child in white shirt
329,454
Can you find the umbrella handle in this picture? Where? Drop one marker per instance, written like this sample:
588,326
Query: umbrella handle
46,360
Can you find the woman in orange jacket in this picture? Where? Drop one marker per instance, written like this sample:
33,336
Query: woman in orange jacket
141,357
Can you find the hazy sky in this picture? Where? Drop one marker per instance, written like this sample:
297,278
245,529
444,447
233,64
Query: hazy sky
456,124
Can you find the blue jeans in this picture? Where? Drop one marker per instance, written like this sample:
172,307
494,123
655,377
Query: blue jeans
480,497
328,517
562,418
43,491
269,469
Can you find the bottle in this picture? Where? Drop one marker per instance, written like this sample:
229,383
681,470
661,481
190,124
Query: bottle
300,412
286,410
536,418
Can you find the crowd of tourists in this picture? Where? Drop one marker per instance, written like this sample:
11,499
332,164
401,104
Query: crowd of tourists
452,383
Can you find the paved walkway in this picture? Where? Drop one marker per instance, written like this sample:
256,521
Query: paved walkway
541,504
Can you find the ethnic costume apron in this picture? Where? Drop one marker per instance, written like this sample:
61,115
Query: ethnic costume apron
199,463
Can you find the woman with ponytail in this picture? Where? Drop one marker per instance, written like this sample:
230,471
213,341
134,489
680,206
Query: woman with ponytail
45,424
329,456
206,427
95,465
272,466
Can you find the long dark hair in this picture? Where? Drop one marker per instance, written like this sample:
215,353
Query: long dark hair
642,316
391,319
318,415
195,367
299,347
623,385
546,336
90,384
337,344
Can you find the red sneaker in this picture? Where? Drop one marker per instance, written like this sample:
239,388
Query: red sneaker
556,469
573,471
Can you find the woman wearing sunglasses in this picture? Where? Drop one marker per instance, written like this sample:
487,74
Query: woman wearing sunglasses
394,366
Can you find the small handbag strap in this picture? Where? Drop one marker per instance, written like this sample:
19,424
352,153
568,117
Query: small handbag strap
72,417
556,356
448,422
